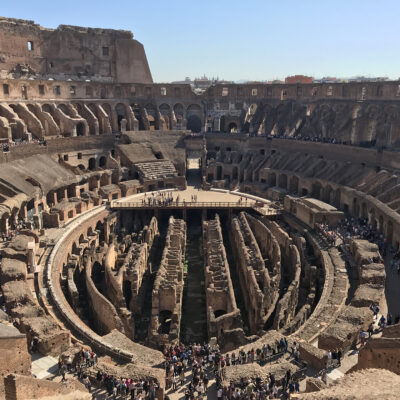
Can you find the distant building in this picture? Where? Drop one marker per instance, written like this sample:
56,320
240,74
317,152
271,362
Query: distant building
299,79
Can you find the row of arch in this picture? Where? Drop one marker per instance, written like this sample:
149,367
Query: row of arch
83,119
328,193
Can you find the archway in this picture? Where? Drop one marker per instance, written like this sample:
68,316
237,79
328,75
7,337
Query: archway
219,313
316,190
194,124
283,181
97,273
121,114
80,129
272,179
235,173
232,128
165,321
219,172
294,185
102,162
92,163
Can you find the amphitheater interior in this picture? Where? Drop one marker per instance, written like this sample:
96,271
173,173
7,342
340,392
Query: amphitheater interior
136,216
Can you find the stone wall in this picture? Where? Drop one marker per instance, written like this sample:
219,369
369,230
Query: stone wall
223,314
252,271
168,288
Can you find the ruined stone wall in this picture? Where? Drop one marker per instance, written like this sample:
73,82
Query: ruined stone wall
21,387
222,312
380,353
253,273
168,287
106,316
286,307
14,356
71,51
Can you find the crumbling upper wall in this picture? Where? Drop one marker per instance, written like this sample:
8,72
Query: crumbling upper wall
71,51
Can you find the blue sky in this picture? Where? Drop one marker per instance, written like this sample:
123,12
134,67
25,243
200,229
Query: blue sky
236,39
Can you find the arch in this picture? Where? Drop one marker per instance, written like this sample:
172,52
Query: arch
194,109
164,318
64,108
219,172
219,313
272,179
165,109
137,112
356,207
327,194
235,173
81,167
232,127
80,129
81,239
364,212
316,190
179,110
283,181
47,108
194,124
90,231
97,273
294,184
75,249
102,162
92,163
121,113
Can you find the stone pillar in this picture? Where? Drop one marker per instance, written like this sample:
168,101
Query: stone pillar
217,124
31,256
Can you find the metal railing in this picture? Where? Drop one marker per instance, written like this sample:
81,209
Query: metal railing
183,204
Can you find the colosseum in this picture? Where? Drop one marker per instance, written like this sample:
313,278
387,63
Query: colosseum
241,243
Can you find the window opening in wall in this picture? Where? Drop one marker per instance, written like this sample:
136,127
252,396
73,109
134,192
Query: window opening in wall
283,94
72,90
133,90
314,91
24,92
148,91
240,91
57,90
163,91
6,89
269,91
363,93
79,156
299,91
329,91
30,45
105,51
225,91
379,91
51,64
177,92
254,92
41,89
89,91
65,157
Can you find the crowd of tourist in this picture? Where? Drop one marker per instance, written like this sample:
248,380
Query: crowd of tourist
7,146
207,362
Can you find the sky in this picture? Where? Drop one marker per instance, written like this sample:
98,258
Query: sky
241,40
